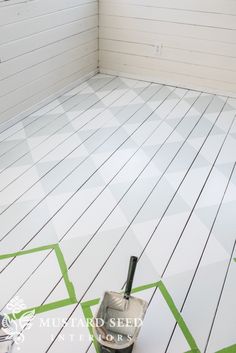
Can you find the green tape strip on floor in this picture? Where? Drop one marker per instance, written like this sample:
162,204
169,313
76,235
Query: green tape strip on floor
179,319
26,252
230,349
86,307
64,271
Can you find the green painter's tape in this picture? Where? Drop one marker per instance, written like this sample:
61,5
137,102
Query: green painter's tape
26,252
145,287
230,349
179,319
43,308
64,271
86,307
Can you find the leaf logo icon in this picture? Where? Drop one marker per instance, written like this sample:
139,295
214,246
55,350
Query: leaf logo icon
14,329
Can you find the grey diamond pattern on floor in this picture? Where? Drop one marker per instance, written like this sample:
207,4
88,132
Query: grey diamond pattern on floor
118,167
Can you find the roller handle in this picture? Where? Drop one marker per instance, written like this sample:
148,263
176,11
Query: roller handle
130,278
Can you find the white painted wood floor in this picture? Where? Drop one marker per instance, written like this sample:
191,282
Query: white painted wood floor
113,168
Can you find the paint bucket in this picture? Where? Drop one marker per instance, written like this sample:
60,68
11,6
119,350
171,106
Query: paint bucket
119,318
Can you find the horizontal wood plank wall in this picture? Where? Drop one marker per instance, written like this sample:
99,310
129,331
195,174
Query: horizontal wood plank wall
198,40
45,46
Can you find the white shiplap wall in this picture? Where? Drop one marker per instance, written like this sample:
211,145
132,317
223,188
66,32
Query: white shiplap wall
45,46
198,38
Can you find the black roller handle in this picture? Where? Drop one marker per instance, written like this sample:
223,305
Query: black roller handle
130,278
